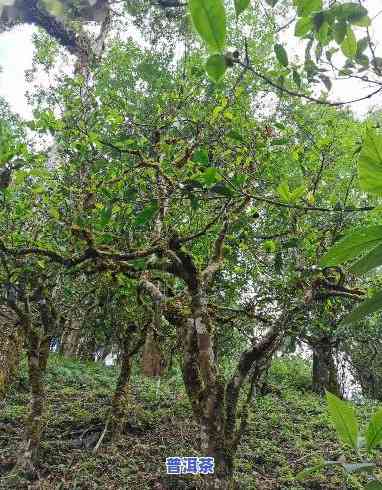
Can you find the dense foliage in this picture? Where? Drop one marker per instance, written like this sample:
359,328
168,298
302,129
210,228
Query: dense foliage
190,214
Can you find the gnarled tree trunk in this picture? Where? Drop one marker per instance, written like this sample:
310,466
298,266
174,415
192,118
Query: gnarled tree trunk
11,344
366,365
38,353
324,371
214,402
121,394
35,12
69,342
87,350
38,338
211,411
120,398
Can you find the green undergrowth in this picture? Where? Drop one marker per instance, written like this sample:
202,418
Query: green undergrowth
288,430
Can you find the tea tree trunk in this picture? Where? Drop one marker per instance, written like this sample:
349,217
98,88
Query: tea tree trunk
38,353
11,344
324,376
130,346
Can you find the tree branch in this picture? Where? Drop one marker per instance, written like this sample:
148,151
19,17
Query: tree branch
301,95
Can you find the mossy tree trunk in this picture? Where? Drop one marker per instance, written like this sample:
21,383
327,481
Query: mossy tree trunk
11,344
324,370
120,396
370,381
366,364
70,339
38,353
87,349
39,330
215,402
130,346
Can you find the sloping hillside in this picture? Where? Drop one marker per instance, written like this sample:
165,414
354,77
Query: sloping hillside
288,430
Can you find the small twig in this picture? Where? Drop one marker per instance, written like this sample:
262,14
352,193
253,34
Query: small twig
101,437
301,95
285,26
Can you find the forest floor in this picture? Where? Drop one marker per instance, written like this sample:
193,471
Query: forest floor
288,431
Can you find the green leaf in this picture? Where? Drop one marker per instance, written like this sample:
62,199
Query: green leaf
368,307
281,54
349,44
105,215
352,245
235,135
239,180
362,44
279,141
216,67
322,34
344,419
372,260
41,264
303,26
54,7
370,163
146,214
53,212
306,7
358,467
363,60
241,5
222,189
283,191
39,189
201,156
194,202
361,442
362,22
350,11
374,485
339,32
377,62
297,193
314,469
270,246
209,177
374,431
296,78
209,19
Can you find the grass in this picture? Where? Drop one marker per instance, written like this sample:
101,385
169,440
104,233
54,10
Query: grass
288,430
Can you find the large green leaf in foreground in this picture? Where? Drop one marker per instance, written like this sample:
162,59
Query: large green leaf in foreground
209,19
344,420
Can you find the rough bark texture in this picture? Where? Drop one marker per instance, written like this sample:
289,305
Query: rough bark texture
38,337
130,346
38,353
87,350
33,12
120,398
324,372
370,381
70,340
11,344
214,402
366,365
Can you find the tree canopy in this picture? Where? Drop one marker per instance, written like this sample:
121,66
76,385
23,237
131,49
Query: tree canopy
192,192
